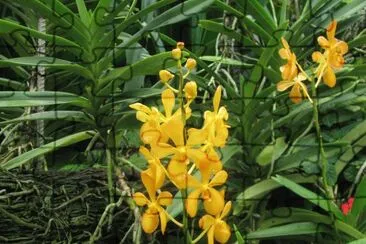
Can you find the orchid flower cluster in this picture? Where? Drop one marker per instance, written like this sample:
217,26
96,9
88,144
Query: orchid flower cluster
331,59
188,158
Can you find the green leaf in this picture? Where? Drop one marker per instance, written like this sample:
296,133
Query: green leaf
358,208
83,12
260,189
295,229
238,235
47,62
272,152
16,85
9,27
148,66
52,115
49,147
27,99
327,205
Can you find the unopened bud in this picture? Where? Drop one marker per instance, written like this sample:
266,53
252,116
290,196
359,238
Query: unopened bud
180,45
177,53
190,90
191,63
165,75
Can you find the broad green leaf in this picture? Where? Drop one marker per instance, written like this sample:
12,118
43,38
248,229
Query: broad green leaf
61,16
327,205
272,152
9,27
281,216
27,99
358,41
47,62
295,229
83,12
52,115
359,204
49,147
257,191
16,85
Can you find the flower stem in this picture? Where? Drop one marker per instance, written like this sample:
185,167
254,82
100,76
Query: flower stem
322,155
184,192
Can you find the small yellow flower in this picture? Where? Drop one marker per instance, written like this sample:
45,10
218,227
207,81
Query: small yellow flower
289,70
177,53
216,228
332,58
298,90
191,63
165,76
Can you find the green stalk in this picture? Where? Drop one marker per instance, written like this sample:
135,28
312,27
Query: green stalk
110,175
323,157
184,191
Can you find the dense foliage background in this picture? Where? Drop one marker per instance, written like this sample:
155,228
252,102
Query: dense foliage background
64,111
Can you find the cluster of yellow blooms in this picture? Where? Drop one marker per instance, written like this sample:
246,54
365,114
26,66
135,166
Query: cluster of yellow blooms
331,59
174,152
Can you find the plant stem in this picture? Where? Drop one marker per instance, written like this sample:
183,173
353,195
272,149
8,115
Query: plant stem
322,155
184,192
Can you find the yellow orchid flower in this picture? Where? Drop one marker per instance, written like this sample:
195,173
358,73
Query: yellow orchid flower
154,213
298,90
214,132
332,58
213,201
288,71
215,227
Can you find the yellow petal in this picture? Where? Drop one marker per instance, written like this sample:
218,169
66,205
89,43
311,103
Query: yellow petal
192,202
226,210
149,222
219,179
176,167
159,176
163,221
323,42
174,129
149,183
329,77
162,150
168,99
165,75
149,134
317,57
215,203
284,85
140,199
295,94
190,90
331,30
165,198
197,136
206,221
341,47
192,181
222,232
211,235
140,107
217,98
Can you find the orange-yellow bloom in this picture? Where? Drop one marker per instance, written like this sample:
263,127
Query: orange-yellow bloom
213,201
298,90
289,70
332,58
154,213
216,228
